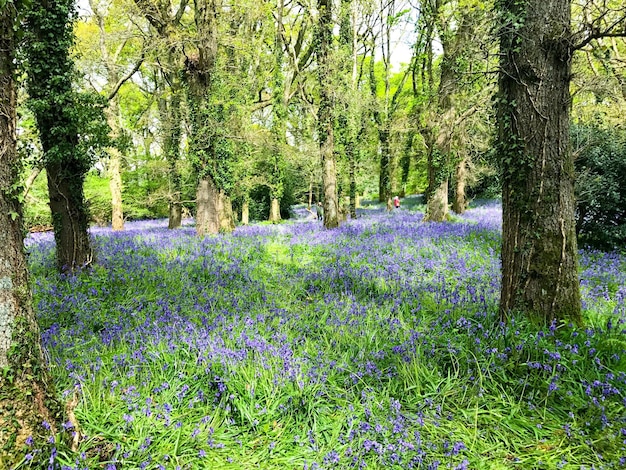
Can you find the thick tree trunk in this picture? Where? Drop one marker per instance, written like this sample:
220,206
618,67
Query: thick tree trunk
441,159
539,251
207,207
325,115
437,193
26,394
460,202
437,207
275,211
245,213
69,215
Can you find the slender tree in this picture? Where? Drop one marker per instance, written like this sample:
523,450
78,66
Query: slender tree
441,131
165,19
326,113
386,106
279,117
61,118
26,391
117,73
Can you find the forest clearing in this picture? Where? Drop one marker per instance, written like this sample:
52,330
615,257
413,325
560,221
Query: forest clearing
287,346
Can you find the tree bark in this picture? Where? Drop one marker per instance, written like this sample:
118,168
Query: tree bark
207,207
27,399
405,163
115,185
115,159
460,203
113,120
199,73
384,182
69,215
245,213
325,115
539,248
171,128
274,211
165,21
225,213
353,192
442,160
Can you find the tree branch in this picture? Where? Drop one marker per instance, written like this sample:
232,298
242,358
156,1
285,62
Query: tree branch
126,77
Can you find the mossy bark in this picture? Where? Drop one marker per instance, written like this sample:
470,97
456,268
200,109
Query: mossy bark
539,248
26,391
200,69
50,73
171,129
460,180
326,115
405,162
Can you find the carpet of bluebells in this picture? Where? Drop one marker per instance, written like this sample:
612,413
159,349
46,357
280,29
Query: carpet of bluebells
286,346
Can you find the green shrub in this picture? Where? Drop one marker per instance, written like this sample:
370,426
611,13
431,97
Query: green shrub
600,186
98,196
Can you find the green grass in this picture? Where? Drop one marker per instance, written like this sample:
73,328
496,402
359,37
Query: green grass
377,347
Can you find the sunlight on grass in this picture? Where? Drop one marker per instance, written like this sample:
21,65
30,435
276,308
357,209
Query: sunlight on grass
287,346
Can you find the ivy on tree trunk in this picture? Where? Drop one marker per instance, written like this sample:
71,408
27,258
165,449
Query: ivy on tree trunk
59,116
325,115
26,391
539,248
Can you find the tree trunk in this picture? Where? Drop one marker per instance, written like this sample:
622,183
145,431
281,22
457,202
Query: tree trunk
539,250
353,194
437,193
275,211
115,160
384,181
405,163
115,184
226,215
170,115
27,397
245,213
49,32
175,218
460,203
69,216
441,157
325,115
207,207
437,207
